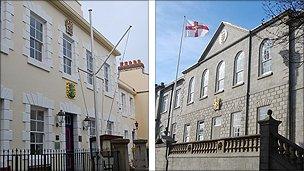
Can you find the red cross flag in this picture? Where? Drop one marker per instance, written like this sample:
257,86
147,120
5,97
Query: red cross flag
194,29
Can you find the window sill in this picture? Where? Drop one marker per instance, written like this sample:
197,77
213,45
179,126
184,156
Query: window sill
221,91
190,103
204,97
238,84
177,107
267,74
89,86
69,77
38,64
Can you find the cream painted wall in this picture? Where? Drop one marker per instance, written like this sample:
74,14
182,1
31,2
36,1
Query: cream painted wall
21,77
139,80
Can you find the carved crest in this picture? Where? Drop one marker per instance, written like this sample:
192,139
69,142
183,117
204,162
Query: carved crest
217,103
70,90
69,27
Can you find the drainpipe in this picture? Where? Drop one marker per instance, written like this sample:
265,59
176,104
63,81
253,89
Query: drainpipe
248,83
291,79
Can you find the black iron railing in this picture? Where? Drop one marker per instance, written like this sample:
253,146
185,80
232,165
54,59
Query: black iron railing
61,160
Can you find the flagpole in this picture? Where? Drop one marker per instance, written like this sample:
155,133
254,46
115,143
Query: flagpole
170,115
95,93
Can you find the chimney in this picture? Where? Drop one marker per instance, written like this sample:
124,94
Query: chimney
132,64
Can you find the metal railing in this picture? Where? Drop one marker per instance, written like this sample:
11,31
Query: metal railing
61,160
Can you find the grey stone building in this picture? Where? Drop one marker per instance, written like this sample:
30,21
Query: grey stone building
239,76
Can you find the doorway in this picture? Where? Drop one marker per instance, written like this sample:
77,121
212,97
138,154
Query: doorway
69,141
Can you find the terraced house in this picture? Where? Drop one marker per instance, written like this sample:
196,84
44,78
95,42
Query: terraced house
45,71
240,75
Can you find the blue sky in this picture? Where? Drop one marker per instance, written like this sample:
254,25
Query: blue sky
112,18
169,19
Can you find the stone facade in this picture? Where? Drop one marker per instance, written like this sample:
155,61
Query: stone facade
256,90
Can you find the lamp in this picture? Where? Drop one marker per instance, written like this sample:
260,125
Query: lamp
86,123
60,118
136,125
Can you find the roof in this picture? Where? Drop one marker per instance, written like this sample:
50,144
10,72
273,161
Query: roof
258,28
83,24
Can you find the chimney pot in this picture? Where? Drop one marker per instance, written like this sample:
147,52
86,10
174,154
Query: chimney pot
130,62
134,62
138,61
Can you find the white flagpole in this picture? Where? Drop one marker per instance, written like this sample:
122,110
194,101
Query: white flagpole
170,115
97,126
170,118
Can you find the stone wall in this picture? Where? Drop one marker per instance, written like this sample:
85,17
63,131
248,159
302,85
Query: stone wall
231,161
160,160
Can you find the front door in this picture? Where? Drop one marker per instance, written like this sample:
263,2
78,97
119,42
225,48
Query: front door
69,141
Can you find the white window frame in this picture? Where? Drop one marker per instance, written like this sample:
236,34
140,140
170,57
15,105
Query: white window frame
33,38
67,39
35,111
126,134
123,100
110,127
265,49
131,101
220,77
187,130
191,90
177,98
89,59
107,71
217,121
236,124
173,130
264,115
92,127
204,83
200,131
164,104
239,68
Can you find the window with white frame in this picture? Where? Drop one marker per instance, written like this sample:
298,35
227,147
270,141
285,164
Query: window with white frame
204,83
220,76
36,130
200,131
191,90
36,37
235,124
110,127
123,100
217,121
173,130
164,104
265,57
177,98
67,54
131,102
187,133
239,68
126,134
161,130
106,76
262,112
89,67
92,127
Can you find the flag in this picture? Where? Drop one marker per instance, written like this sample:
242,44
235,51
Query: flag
194,29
